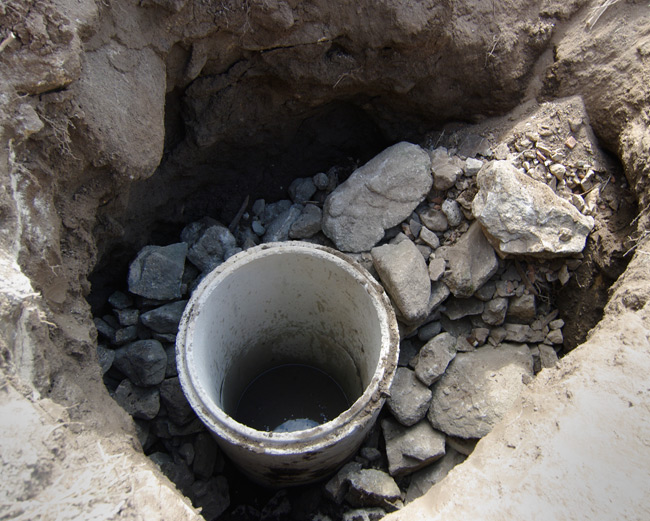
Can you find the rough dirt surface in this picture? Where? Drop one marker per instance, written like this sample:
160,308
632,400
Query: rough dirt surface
106,105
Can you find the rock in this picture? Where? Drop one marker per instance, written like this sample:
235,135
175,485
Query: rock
436,269
486,291
522,309
105,358
410,448
424,479
164,319
258,228
461,307
124,335
213,496
206,452
274,210
478,388
445,174
439,293
407,351
186,451
302,189
505,288
409,397
370,453
430,238
494,313
555,336
558,171
372,488
472,166
523,333
104,329
321,181
404,274
157,271
119,300
177,471
364,514
178,409
547,356
415,227
308,224
377,196
258,207
278,229
209,243
471,262
143,362
127,317
139,402
337,487
434,358
433,219
452,211
428,331
462,445
522,216
171,369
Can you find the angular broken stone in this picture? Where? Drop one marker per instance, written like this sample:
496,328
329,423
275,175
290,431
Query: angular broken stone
461,307
433,219
429,237
143,362
139,402
301,189
405,276
372,488
411,448
521,216
522,309
337,486
424,479
377,196
436,269
164,319
478,388
278,229
178,408
494,312
445,173
470,262
547,356
157,271
434,358
308,224
409,398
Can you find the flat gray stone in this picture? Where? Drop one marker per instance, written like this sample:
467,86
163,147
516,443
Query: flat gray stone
409,398
522,309
157,271
410,448
434,358
470,262
308,224
164,319
430,238
478,388
273,210
547,356
143,362
428,331
372,488
379,195
456,308
437,269
302,189
424,479
139,402
494,312
278,229
337,486
445,174
433,219
405,276
522,216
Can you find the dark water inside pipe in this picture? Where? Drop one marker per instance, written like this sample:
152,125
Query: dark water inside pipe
290,397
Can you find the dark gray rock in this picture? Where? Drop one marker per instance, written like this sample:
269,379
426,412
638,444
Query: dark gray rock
428,331
206,450
409,398
494,313
302,189
321,181
212,246
372,488
119,300
407,351
139,402
379,195
434,358
404,274
177,471
143,362
547,356
470,262
164,319
178,408
523,333
274,210
424,479
104,329
337,487
478,388
410,448
157,271
105,357
308,224
486,291
213,496
171,369
124,335
278,229
127,317
456,308
364,514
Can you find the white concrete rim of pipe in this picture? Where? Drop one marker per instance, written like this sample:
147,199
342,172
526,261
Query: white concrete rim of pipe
316,438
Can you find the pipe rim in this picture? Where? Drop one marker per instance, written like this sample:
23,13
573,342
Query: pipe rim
323,435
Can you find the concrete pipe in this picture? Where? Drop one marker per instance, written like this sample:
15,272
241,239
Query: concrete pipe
288,318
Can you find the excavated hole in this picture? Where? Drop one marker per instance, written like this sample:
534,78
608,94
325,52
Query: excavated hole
334,139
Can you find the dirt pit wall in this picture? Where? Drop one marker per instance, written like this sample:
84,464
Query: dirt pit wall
106,107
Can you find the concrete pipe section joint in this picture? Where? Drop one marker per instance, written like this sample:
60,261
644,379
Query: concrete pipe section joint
287,352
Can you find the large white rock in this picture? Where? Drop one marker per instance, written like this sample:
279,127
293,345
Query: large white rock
478,388
521,216
379,195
